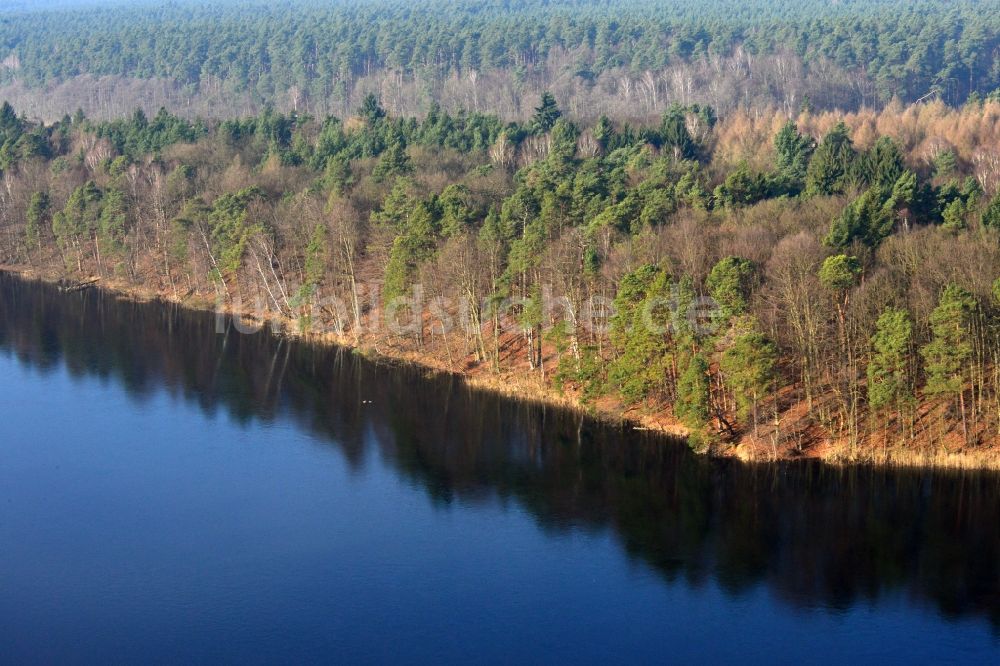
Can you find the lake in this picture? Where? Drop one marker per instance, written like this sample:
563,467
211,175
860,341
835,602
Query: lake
174,490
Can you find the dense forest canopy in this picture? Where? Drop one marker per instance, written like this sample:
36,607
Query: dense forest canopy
826,175
323,57
852,261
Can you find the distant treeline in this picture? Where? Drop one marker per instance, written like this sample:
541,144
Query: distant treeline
616,56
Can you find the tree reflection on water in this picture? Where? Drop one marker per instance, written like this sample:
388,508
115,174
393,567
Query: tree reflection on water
815,535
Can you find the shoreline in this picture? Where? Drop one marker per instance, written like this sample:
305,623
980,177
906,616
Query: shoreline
515,385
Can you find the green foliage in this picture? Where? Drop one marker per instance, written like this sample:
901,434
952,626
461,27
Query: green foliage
793,152
632,291
314,265
394,162
564,137
19,140
830,168
112,223
953,216
730,283
692,404
904,191
950,345
37,219
457,210
644,337
582,218
397,205
945,164
371,109
414,244
78,217
317,50
546,114
10,124
749,369
839,272
952,202
743,187
337,175
889,381
883,164
138,136
177,241
868,219
991,215
230,231
532,311
674,134
590,373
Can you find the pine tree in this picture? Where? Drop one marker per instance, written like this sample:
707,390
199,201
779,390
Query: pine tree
604,132
674,134
953,216
77,220
869,219
632,290
883,164
692,404
749,368
945,164
646,351
113,223
793,152
314,269
457,213
991,216
904,197
393,162
950,346
839,272
831,164
742,187
36,219
546,114
889,381
564,137
413,245
729,283
371,109
230,230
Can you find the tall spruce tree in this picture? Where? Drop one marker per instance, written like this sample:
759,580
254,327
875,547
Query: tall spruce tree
950,347
36,219
692,404
749,368
830,167
793,152
869,219
991,215
729,284
889,378
674,133
546,114
883,164
644,363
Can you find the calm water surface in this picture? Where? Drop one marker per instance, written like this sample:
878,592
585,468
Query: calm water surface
170,493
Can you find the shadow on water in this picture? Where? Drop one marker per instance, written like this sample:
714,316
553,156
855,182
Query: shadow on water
812,534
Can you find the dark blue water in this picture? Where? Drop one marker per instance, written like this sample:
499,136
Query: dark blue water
170,493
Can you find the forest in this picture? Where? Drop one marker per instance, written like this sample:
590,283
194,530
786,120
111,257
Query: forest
627,59
850,261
